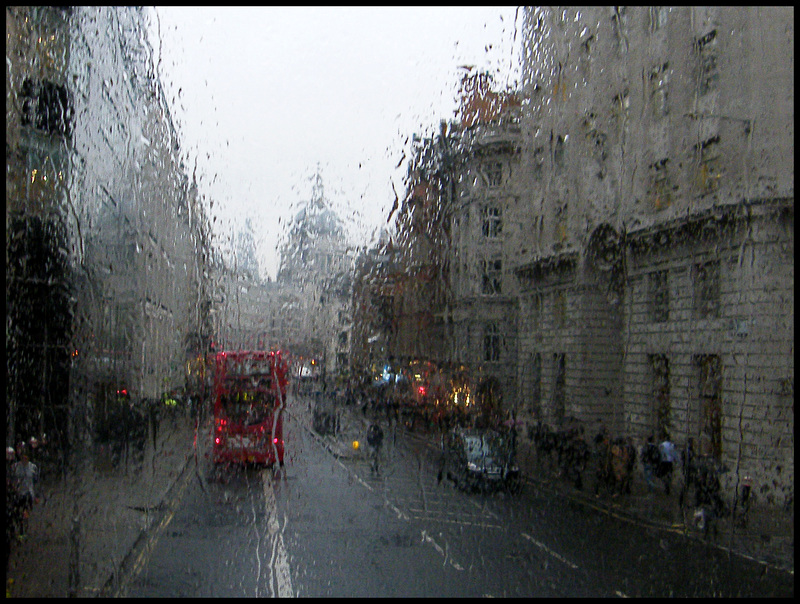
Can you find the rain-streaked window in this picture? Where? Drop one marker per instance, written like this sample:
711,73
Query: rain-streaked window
271,271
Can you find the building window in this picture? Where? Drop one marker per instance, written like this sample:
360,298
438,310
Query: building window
560,87
658,17
659,296
708,368
46,106
585,60
659,381
559,387
706,290
492,277
559,153
708,171
707,54
494,174
491,342
492,221
560,225
536,311
536,386
662,196
619,25
560,308
659,84
620,107
538,164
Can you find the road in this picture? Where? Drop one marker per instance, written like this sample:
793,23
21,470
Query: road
324,526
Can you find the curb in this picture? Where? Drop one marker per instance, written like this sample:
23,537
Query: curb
115,583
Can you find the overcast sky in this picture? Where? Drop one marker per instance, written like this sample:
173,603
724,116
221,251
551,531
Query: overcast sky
261,96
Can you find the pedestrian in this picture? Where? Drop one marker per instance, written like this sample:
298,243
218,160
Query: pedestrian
650,460
602,446
620,461
25,475
375,440
630,450
668,457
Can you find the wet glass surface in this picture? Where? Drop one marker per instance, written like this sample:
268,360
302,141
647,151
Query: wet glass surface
567,230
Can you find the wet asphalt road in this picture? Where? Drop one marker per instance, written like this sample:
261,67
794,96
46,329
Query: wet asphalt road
329,527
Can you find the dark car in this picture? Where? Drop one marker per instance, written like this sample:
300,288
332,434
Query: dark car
480,460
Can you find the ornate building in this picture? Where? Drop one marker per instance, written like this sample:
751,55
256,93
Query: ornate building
656,292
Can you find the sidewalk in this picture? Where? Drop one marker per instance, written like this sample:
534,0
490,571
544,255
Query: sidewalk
768,537
89,521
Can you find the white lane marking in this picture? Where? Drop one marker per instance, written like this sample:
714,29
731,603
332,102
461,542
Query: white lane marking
427,538
555,555
279,563
399,513
458,522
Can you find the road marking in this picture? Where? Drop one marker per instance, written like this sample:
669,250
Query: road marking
555,555
427,538
458,522
398,512
279,562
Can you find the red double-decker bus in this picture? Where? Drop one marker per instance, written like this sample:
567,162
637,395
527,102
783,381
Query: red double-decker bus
249,396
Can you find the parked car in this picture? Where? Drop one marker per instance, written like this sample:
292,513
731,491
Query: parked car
480,460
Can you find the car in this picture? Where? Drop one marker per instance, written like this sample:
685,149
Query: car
480,460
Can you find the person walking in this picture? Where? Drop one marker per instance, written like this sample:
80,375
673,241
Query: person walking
375,440
668,457
650,459
25,474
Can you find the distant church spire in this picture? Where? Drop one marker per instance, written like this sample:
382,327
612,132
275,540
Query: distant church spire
318,190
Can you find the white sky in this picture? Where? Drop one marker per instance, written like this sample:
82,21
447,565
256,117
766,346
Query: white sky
261,96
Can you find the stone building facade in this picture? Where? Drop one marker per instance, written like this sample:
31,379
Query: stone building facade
136,240
484,236
656,289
